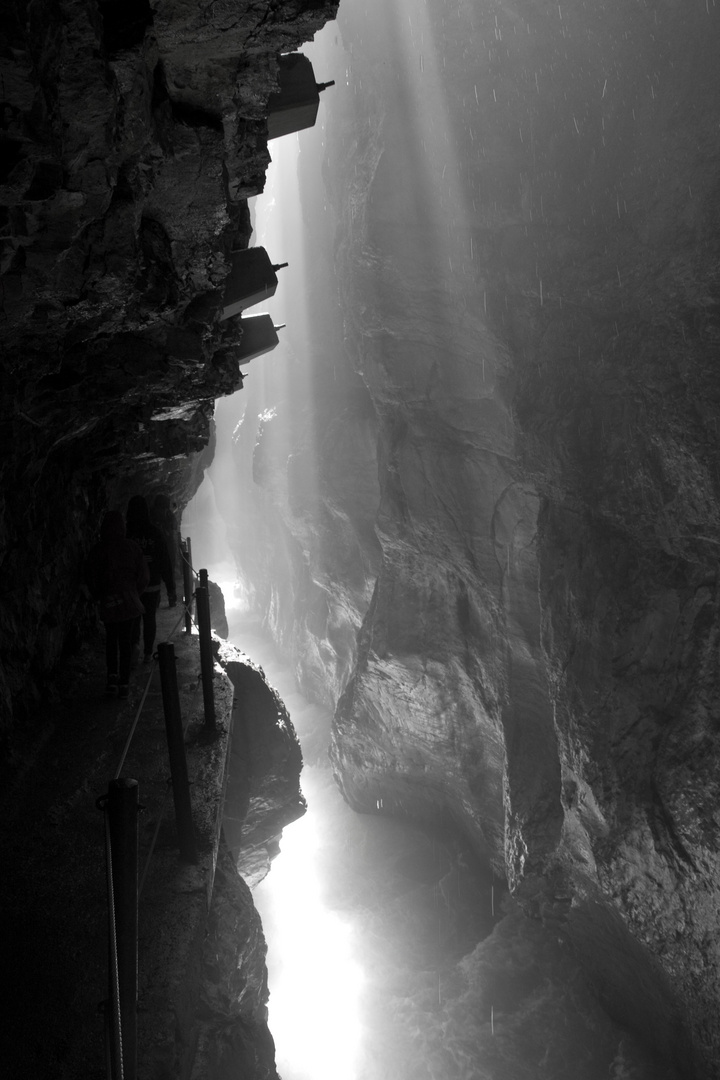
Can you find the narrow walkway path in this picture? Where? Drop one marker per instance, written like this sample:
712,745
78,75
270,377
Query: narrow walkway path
54,942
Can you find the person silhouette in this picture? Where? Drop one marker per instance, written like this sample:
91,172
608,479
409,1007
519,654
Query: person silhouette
151,542
163,516
117,574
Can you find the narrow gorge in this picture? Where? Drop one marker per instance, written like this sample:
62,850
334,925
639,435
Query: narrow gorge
473,494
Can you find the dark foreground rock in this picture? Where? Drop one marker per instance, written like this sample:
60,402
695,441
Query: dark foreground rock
232,1033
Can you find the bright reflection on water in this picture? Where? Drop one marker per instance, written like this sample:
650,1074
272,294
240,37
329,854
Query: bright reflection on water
315,974
315,978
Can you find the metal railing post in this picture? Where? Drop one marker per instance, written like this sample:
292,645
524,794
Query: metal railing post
122,810
207,664
176,751
186,549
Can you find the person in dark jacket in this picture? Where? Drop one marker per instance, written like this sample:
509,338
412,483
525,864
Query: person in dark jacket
152,544
163,516
116,574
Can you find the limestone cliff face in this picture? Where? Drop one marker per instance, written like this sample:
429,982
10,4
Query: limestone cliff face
131,137
528,273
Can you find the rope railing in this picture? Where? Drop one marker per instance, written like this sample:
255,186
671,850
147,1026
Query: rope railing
153,841
186,616
158,824
134,723
120,808
185,611
133,727
186,554
123,887
113,1031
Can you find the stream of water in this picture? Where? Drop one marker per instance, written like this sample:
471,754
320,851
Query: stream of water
357,910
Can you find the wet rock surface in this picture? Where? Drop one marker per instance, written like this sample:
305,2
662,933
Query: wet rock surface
263,792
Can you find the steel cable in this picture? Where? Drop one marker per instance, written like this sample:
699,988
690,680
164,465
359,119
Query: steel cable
114,1004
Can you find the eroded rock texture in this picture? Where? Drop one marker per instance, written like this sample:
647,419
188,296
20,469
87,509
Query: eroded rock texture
233,1037
131,136
263,788
504,566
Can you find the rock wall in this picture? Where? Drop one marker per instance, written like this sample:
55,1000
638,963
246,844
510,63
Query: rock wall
228,1027
231,1018
521,495
263,792
131,137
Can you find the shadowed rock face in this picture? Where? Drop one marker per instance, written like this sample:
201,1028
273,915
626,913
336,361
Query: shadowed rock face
263,793
232,1033
132,135
537,397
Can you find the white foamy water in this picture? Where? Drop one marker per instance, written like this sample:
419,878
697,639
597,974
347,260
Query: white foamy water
315,966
